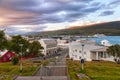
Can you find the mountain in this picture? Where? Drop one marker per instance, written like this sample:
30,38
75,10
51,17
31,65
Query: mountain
107,28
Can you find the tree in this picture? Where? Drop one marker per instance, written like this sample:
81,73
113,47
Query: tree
3,40
14,45
15,60
114,50
34,48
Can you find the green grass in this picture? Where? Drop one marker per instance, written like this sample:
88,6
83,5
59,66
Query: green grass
8,71
95,70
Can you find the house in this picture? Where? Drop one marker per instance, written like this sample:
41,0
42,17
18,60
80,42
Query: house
89,52
8,37
63,43
86,41
6,56
99,35
49,45
106,43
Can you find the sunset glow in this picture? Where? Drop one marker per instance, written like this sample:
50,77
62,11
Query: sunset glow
50,15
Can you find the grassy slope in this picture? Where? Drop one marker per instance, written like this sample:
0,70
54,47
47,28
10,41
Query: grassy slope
95,70
8,70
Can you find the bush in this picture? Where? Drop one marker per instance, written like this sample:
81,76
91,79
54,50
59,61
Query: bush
15,60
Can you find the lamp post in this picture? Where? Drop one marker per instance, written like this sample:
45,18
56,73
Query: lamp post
41,72
21,45
82,60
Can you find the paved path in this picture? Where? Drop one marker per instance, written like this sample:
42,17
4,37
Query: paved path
54,71
43,78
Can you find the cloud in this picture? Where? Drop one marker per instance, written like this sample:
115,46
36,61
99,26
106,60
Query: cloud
40,13
115,2
14,29
106,13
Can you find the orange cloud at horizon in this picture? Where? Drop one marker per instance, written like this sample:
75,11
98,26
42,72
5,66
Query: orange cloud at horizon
11,17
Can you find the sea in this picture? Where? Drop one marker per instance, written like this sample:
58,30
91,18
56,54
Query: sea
111,39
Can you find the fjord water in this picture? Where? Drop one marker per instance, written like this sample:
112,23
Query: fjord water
111,39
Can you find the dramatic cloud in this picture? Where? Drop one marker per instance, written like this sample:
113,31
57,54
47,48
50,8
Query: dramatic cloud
44,11
115,2
40,13
107,13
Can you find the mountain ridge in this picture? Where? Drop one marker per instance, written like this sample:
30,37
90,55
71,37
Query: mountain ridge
107,28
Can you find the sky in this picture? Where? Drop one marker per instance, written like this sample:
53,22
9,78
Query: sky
22,16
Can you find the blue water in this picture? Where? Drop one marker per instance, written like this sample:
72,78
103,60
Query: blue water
111,39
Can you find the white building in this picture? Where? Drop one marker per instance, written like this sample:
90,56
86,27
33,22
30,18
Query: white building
49,45
98,35
8,37
105,43
62,43
89,52
86,41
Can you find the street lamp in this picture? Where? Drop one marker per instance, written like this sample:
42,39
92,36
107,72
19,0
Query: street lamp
41,72
82,60
21,45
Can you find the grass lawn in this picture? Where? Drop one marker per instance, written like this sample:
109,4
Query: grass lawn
8,70
95,70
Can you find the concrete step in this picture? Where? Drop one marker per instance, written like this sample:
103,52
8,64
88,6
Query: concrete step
57,63
43,78
53,71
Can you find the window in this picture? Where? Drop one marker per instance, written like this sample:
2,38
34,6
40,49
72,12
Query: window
76,56
103,42
4,59
79,57
8,55
85,53
79,51
100,54
105,55
75,50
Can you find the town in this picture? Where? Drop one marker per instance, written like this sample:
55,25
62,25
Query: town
59,39
55,50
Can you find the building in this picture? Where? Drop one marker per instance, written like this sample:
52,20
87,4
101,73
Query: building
99,35
89,52
49,45
62,43
105,43
86,41
8,37
6,56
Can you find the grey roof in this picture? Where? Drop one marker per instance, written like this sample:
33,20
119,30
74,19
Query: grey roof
100,49
90,47
50,43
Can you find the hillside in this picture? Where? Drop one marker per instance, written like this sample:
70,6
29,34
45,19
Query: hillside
109,28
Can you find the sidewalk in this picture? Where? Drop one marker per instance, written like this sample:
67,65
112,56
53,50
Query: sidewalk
54,71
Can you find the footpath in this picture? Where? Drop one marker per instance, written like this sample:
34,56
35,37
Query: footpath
57,70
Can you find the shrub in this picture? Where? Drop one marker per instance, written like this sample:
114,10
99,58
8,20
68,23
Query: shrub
15,60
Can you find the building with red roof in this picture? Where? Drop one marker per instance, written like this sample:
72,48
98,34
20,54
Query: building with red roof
6,56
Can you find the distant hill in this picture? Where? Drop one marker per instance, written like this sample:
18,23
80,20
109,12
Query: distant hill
108,28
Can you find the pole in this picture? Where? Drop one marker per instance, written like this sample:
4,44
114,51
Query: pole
82,66
82,60
21,58
41,72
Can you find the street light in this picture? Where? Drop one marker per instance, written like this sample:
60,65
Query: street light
41,72
82,60
21,45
